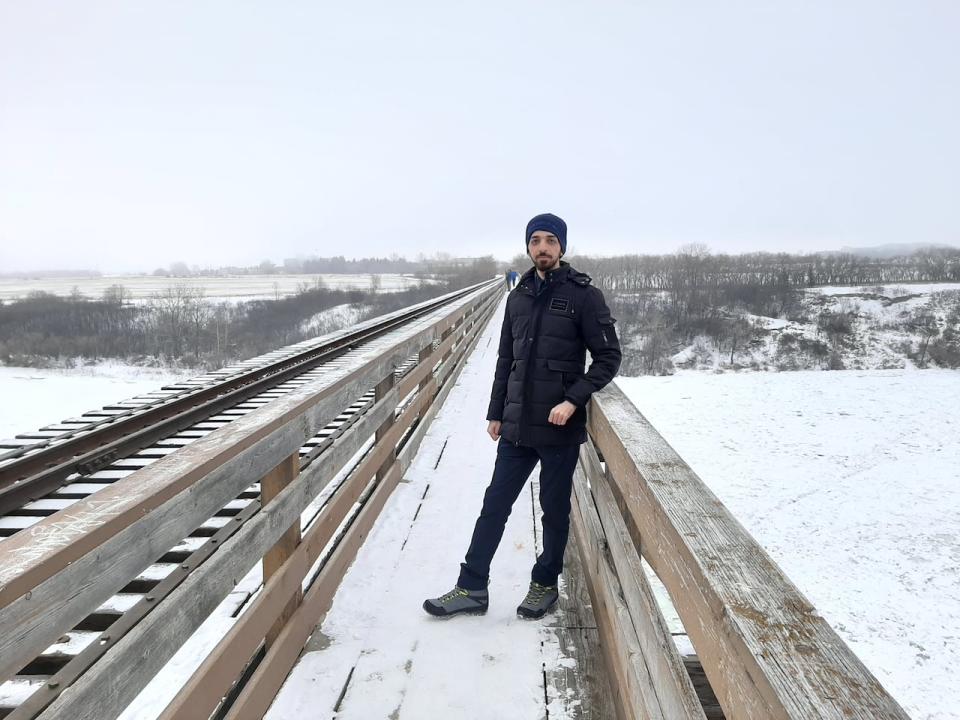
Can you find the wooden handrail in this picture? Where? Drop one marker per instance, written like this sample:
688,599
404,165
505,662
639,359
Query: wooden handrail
767,652
54,574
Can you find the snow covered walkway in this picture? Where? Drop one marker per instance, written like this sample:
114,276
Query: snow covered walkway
377,654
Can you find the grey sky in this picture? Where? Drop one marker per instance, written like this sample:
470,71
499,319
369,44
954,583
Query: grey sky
133,134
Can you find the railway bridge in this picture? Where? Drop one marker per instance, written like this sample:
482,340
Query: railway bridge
255,542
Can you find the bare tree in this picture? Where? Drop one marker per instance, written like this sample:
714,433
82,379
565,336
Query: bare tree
924,323
117,295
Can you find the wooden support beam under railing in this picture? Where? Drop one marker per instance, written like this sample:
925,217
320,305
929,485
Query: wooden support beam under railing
272,485
650,681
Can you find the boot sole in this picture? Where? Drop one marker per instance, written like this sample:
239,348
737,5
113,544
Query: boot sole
530,615
446,616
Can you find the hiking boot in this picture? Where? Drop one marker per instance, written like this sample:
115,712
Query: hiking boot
457,601
539,601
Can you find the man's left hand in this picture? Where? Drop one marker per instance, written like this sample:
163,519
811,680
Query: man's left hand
562,412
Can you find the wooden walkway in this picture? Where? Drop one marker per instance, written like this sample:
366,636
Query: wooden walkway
378,655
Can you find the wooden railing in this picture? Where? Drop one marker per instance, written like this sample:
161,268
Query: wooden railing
61,569
767,653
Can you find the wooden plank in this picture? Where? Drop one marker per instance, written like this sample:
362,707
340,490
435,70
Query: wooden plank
257,695
272,485
585,689
212,680
673,690
221,668
767,652
383,387
105,690
633,694
450,368
156,506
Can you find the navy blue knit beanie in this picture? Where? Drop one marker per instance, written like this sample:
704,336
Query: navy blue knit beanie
552,224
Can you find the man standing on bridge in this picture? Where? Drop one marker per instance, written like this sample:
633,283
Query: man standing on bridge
538,413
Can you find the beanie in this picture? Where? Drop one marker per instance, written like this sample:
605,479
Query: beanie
552,224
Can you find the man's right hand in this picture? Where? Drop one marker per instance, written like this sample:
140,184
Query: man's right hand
493,429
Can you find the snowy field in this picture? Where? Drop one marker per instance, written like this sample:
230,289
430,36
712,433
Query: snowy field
851,481
33,398
235,289
889,289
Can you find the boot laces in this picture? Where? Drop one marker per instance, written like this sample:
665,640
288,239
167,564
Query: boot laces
455,593
536,592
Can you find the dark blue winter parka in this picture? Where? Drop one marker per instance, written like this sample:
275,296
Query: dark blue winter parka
543,344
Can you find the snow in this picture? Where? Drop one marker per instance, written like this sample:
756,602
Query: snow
217,288
880,332
401,662
851,481
332,319
34,398
889,289
767,323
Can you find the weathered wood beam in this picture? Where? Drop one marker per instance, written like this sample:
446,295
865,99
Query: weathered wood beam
767,652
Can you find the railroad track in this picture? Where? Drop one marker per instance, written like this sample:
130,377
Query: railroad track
34,464
45,472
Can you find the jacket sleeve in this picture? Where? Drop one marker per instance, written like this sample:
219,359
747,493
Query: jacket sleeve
601,340
498,394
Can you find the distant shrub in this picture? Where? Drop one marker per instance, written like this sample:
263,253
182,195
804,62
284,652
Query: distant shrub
836,361
946,355
836,324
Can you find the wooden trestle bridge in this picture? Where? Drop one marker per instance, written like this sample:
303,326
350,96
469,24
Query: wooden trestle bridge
121,531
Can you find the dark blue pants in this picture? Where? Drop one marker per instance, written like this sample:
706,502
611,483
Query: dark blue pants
513,467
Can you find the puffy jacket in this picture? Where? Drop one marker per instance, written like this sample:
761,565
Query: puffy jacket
543,344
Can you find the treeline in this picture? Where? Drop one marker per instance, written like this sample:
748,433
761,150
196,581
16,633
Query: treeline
663,302
181,326
422,266
696,266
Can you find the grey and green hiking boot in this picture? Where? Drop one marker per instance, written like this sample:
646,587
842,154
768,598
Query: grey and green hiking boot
457,601
539,601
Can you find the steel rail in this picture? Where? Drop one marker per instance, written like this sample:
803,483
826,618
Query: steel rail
31,477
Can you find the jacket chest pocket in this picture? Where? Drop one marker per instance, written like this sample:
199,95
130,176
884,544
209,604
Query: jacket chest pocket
561,305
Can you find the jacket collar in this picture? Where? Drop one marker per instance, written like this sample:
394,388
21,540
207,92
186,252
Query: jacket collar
527,284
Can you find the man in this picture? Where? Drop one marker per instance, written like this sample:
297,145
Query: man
538,413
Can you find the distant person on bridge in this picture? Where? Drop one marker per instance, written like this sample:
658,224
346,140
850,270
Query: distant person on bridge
538,413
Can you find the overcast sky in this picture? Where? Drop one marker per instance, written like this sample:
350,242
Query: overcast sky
133,134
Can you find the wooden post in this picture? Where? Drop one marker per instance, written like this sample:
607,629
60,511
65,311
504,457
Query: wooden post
383,387
270,486
426,356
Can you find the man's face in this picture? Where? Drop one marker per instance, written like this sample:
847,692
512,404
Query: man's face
544,250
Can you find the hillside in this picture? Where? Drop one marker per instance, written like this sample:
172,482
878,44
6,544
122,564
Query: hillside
834,328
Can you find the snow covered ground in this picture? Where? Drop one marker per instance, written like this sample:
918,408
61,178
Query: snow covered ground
879,331
851,481
889,289
33,398
236,288
331,319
